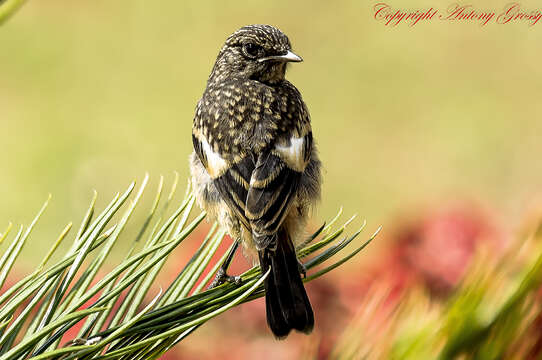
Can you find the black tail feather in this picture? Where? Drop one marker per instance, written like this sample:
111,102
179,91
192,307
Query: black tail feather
286,300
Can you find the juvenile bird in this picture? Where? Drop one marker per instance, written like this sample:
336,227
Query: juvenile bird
255,168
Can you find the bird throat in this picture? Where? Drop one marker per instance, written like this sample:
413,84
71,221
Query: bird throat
274,73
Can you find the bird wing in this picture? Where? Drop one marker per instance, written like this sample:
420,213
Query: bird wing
233,186
258,185
259,191
230,179
273,185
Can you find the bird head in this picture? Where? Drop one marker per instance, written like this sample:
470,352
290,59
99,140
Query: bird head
257,52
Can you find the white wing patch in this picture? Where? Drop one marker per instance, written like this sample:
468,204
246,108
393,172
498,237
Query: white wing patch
216,165
293,153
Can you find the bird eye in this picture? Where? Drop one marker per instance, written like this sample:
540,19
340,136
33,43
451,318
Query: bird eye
252,50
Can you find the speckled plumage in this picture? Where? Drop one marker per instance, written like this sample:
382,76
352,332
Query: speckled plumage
255,167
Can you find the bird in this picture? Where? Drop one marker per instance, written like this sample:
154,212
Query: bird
255,168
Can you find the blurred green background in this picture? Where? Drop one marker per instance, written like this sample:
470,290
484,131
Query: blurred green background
94,94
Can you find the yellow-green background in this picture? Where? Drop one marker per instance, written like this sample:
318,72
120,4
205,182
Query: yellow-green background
95,93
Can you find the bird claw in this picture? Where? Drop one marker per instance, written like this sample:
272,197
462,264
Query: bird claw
221,277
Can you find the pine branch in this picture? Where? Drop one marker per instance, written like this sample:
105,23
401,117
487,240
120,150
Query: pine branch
36,312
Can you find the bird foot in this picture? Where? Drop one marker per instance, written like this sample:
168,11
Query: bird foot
221,277
302,269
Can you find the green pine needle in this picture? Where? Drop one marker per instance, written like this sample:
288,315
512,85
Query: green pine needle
38,310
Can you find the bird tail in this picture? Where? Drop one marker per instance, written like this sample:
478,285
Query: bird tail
287,304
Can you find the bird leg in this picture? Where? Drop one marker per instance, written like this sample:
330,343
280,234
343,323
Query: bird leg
221,275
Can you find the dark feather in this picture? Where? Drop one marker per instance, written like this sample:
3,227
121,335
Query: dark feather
231,188
269,198
287,304
199,151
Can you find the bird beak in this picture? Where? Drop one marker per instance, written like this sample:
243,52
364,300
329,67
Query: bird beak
288,57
